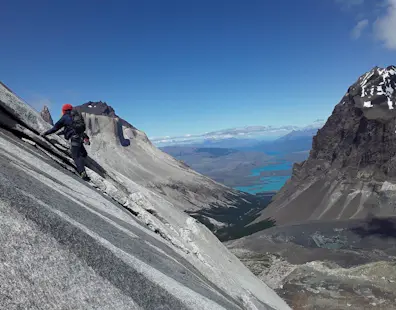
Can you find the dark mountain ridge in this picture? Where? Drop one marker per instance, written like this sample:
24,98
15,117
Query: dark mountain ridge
102,108
351,169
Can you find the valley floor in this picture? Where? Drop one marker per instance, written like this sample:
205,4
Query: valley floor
330,269
321,285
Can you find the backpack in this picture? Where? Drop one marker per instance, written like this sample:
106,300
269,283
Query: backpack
78,124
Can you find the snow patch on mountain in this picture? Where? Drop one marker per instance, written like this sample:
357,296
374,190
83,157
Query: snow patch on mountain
378,86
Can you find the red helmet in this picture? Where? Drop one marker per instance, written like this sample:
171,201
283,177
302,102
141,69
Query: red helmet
66,107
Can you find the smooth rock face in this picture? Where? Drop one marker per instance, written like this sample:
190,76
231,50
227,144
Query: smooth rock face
351,170
108,244
46,115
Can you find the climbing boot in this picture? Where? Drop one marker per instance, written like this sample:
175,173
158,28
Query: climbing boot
84,176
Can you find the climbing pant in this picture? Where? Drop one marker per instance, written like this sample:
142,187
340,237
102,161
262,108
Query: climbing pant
78,153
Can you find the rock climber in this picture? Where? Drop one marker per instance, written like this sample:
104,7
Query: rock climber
74,127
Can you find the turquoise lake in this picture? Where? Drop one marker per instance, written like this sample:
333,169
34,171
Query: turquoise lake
268,183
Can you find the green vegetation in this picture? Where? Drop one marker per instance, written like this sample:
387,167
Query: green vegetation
237,218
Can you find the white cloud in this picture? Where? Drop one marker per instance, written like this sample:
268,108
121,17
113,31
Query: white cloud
385,26
358,29
241,132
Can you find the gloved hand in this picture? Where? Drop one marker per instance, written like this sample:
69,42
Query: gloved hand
86,141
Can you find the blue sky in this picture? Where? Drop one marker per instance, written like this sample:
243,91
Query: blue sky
187,67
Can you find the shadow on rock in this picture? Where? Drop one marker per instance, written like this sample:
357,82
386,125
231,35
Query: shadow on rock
120,134
93,165
383,228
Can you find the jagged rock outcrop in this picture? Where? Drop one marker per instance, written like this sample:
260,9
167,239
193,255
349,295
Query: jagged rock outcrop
102,108
108,244
46,115
351,170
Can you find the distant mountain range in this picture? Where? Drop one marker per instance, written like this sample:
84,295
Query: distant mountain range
308,131
231,161
236,137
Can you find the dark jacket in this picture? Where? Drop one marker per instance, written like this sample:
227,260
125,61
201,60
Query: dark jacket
65,122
